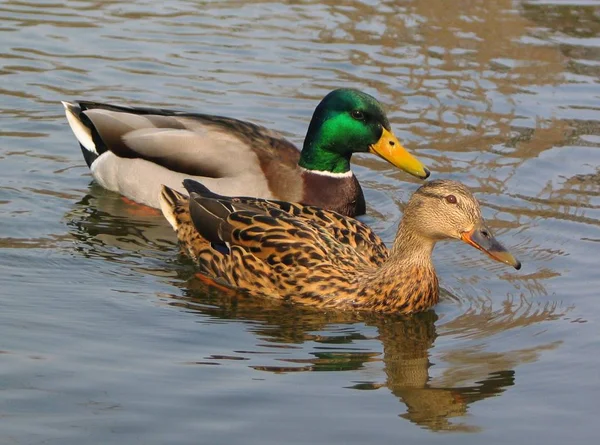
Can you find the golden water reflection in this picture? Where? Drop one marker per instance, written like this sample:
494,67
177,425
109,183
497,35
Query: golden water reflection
470,373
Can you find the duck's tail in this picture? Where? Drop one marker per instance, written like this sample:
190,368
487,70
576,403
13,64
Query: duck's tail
84,131
174,206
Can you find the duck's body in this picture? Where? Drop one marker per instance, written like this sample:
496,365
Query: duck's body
313,256
133,151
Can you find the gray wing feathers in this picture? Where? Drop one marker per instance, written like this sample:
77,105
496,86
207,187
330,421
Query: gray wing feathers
178,143
191,152
145,151
112,126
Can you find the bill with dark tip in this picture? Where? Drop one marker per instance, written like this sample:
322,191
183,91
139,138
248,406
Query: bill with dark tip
482,238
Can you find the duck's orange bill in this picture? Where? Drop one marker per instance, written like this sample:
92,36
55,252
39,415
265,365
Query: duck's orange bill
482,238
389,148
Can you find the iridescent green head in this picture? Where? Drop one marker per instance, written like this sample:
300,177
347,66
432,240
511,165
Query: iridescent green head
349,121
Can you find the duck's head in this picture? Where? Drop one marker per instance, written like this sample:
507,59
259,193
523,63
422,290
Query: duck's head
349,121
444,209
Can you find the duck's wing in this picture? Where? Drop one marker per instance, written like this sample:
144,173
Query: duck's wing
219,222
131,150
345,230
261,248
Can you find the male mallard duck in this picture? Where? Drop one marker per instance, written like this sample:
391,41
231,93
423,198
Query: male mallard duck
134,150
309,255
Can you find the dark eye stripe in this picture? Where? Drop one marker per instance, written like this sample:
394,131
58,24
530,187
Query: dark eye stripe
439,195
430,194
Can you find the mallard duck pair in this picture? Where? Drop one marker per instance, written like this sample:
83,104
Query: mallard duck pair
292,236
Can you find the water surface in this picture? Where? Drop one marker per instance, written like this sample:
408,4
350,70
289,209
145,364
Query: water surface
106,336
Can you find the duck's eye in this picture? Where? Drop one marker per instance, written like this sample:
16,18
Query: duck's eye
451,199
358,115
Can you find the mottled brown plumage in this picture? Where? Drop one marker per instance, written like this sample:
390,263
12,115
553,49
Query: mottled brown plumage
308,255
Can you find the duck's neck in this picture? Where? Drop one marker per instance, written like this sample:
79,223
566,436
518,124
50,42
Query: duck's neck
326,175
316,156
407,281
339,192
411,247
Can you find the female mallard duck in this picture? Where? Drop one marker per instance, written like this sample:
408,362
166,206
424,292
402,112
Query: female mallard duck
134,150
309,255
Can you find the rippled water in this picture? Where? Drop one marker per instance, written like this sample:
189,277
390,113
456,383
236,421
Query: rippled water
107,337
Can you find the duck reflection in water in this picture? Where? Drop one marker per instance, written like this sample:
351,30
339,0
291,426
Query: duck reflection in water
103,226
469,375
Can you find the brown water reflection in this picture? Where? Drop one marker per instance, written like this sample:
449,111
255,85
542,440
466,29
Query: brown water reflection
464,63
470,374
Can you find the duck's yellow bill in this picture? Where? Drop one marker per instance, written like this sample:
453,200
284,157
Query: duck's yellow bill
390,149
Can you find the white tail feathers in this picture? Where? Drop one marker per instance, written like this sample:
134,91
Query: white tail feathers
82,133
